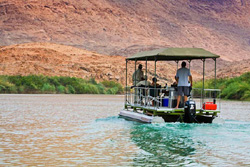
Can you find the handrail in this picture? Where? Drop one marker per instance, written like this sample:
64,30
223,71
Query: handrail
144,96
211,89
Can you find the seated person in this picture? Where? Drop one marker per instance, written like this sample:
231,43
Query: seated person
154,82
153,85
165,91
154,90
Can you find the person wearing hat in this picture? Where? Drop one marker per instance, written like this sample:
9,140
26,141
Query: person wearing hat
138,75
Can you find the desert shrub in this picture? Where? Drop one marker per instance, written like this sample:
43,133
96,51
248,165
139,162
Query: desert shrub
112,84
92,81
54,81
246,96
101,88
237,88
6,86
60,89
113,90
91,89
70,89
47,88
21,89
13,89
45,84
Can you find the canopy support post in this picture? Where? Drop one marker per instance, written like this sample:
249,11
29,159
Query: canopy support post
215,73
190,86
155,82
146,79
189,61
155,70
203,82
177,62
155,66
126,96
214,94
135,74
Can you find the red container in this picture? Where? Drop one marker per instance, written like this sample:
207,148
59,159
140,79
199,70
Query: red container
209,106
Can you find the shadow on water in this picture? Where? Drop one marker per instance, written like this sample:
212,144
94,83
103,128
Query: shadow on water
165,144
180,144
159,144
171,144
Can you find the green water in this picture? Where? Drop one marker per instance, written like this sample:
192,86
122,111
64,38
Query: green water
180,144
85,130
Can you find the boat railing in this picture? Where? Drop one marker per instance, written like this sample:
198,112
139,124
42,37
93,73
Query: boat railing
207,96
167,97
145,96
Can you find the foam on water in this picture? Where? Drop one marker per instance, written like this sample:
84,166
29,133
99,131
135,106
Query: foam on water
176,144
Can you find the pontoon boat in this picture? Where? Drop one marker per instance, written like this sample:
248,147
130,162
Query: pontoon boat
150,104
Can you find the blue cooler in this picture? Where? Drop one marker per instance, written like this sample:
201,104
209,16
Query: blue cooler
165,102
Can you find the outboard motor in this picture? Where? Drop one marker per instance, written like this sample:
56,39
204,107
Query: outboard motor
190,111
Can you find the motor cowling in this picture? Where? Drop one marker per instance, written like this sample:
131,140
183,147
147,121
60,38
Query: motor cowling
190,112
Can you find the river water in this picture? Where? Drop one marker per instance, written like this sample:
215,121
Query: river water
85,130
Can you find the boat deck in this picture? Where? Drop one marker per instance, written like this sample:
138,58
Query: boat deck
169,111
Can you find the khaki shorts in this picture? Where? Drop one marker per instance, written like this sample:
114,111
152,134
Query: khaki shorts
183,90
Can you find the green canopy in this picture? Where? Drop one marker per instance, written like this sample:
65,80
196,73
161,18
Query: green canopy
168,54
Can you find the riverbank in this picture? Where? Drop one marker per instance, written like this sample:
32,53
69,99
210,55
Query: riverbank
39,84
237,88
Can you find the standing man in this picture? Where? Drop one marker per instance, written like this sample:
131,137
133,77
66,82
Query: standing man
138,75
182,76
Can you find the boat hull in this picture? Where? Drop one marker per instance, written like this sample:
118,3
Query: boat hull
130,114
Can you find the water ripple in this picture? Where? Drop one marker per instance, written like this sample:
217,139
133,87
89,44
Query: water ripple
84,130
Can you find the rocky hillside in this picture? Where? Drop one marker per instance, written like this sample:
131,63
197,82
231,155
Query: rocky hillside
119,27
60,60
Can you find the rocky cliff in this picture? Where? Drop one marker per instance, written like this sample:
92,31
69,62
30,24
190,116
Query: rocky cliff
118,27
60,60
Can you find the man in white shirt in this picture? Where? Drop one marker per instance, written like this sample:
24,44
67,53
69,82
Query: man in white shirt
137,75
183,76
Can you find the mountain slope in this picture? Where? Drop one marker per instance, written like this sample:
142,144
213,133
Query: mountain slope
118,27
59,60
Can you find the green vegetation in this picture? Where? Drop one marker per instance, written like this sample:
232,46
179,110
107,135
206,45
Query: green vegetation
60,85
237,88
